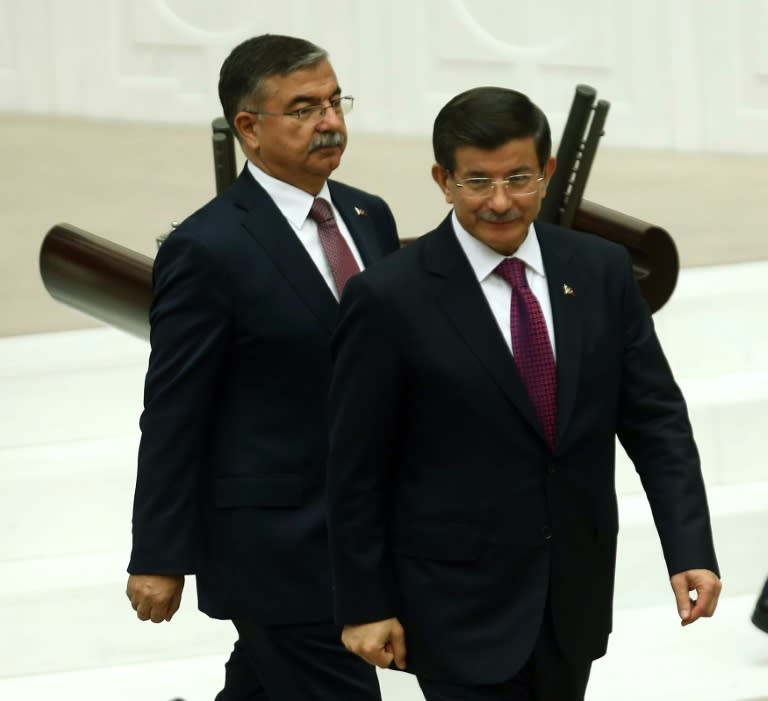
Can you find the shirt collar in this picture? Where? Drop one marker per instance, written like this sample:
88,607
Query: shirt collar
293,202
484,259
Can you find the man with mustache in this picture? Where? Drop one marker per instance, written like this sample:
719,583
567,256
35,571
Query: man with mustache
231,468
481,376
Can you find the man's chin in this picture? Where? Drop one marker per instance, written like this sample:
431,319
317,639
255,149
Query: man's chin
506,229
503,237
327,157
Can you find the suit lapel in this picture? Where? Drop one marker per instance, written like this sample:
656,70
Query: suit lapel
358,222
564,281
461,299
265,223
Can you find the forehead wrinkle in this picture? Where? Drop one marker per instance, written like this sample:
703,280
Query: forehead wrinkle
312,99
514,156
517,170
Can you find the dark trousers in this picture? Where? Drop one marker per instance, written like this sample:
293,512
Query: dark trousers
295,663
546,676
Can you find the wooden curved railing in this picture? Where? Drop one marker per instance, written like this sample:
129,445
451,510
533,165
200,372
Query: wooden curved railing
653,252
114,284
98,277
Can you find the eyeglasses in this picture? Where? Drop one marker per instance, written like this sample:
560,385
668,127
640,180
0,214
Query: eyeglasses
314,113
517,185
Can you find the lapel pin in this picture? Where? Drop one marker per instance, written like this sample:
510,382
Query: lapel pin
361,212
568,290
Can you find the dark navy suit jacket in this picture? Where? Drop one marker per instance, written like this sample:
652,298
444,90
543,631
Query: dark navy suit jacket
231,471
447,507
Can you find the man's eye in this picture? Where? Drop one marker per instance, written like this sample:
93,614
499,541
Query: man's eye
516,181
477,183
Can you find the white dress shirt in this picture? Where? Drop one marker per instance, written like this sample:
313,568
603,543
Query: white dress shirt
294,204
484,260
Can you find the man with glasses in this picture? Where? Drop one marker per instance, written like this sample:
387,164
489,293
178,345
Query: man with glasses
231,470
481,376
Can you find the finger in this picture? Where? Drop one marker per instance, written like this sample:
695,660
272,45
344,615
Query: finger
691,617
372,658
174,605
711,603
397,646
376,654
143,611
713,596
158,613
682,597
704,606
383,658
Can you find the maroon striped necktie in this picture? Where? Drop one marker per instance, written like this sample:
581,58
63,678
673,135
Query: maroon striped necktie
531,347
337,251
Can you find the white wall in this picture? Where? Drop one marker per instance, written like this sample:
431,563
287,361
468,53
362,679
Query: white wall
679,74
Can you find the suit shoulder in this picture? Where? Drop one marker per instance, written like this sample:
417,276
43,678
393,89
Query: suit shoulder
351,191
398,267
354,193
211,225
583,242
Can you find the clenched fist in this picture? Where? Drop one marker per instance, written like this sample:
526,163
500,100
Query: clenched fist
379,643
155,597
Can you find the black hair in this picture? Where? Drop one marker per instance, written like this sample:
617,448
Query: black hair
242,75
489,117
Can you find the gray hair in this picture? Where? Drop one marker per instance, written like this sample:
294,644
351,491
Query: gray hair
249,65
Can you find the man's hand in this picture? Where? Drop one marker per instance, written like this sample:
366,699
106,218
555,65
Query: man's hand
155,597
377,643
707,585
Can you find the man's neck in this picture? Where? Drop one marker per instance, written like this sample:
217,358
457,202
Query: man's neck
310,184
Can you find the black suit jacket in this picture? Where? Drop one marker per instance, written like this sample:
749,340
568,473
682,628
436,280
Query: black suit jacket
231,470
447,508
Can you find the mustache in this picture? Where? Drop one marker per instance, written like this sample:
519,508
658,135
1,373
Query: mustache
333,138
503,217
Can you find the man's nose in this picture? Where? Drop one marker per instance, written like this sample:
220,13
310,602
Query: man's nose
500,199
330,120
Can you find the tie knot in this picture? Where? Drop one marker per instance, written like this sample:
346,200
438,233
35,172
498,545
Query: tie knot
513,271
321,211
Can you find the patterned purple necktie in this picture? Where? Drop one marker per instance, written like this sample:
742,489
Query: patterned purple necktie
531,347
337,251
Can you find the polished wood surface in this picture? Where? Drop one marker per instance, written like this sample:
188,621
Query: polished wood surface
98,277
653,252
114,284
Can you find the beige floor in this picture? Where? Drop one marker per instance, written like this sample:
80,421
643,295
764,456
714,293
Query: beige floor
128,182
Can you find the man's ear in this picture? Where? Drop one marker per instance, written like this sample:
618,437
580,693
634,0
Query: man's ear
440,176
248,129
549,169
